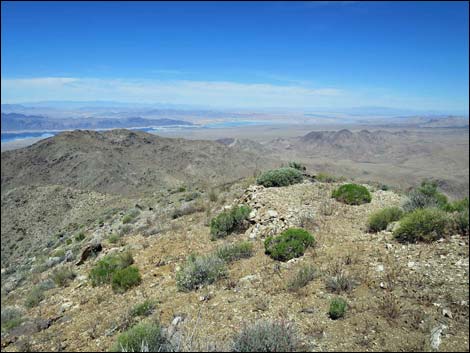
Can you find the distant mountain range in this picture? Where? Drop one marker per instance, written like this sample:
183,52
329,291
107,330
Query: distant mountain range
21,122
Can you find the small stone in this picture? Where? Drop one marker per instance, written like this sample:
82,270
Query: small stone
379,268
411,264
272,214
383,285
447,313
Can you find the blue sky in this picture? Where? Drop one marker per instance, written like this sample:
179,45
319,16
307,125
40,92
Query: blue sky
411,55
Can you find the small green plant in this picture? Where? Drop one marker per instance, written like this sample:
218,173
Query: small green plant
104,269
58,253
266,336
337,308
114,238
181,189
328,178
297,165
425,196
34,297
62,275
280,177
229,221
126,278
145,308
302,277
130,216
79,237
200,270
233,252
352,194
289,244
213,195
125,229
423,224
11,318
379,220
143,337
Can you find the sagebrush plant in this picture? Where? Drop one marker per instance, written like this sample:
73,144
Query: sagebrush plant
425,196
460,210
104,269
302,277
297,165
62,275
131,216
142,337
280,177
328,178
126,278
200,270
423,224
233,252
379,220
352,194
340,282
289,244
266,336
143,309
338,308
34,297
229,221
11,317
79,237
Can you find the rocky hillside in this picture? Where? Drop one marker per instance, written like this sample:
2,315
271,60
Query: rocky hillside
125,162
401,297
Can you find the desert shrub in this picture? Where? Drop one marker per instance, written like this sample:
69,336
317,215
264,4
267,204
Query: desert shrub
280,177
426,224
187,209
34,297
302,277
126,278
143,337
58,253
143,309
229,221
200,270
379,220
340,282
457,206
297,165
337,308
425,196
266,336
192,196
114,238
181,189
125,229
234,252
104,269
352,194
328,178
130,216
461,222
390,306
79,236
213,195
62,275
289,244
11,318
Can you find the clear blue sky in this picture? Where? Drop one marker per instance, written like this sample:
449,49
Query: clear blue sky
303,54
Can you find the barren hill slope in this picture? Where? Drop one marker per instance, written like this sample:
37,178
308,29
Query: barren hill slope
125,162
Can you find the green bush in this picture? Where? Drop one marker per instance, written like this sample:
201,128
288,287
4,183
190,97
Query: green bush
11,318
62,275
130,216
143,309
34,297
460,217
104,269
352,194
328,178
337,308
79,237
425,196
143,337
200,270
289,244
426,224
229,221
266,336
379,220
114,238
297,165
125,229
126,278
280,177
303,276
233,252
457,206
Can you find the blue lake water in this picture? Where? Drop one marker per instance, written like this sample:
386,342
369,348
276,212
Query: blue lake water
13,136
